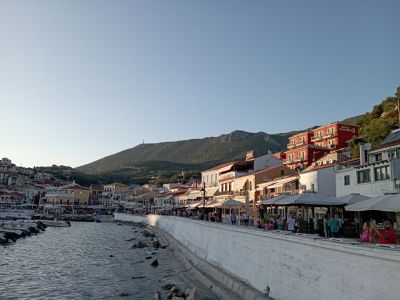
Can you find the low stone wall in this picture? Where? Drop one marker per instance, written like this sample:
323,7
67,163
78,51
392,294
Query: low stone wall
287,267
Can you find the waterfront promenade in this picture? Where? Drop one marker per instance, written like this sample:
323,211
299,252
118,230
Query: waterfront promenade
287,266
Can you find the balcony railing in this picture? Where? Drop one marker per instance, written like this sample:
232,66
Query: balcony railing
317,138
296,144
227,175
295,160
223,193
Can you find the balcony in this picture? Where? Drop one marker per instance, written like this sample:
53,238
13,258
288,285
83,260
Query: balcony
224,193
296,144
301,143
317,138
295,160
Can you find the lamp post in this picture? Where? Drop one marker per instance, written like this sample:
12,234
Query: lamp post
203,190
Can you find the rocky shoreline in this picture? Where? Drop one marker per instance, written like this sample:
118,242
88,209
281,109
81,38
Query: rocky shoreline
152,243
205,280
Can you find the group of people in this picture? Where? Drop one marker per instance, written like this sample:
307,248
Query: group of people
331,226
245,218
372,234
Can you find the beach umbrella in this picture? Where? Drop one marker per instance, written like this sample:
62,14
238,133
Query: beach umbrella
272,201
309,199
389,203
352,198
232,203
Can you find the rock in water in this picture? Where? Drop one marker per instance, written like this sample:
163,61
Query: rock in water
154,263
177,298
157,296
168,286
177,292
148,257
139,245
111,255
156,244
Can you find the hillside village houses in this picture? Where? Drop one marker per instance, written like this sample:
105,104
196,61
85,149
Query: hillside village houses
375,173
317,160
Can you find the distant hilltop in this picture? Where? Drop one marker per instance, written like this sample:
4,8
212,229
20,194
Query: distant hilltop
160,161
194,153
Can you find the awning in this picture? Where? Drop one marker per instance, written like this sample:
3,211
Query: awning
214,204
232,203
309,199
390,203
262,186
211,191
281,182
238,183
194,196
194,205
272,201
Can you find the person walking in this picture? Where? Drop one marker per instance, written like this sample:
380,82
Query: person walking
334,225
233,218
246,218
290,223
325,225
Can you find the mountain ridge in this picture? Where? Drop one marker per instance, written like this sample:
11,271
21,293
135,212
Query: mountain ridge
199,151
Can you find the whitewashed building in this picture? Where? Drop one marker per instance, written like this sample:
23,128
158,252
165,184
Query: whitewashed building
320,176
377,173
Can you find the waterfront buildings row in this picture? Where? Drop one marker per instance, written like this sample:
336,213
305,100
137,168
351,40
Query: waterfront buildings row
317,160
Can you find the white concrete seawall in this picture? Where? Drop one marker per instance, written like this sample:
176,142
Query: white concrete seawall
290,267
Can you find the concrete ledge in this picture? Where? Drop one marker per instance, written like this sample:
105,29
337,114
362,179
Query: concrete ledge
288,267
199,272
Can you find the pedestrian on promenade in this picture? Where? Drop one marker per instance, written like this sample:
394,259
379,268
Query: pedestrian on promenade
290,223
233,218
386,235
334,225
367,235
326,227
246,218
279,223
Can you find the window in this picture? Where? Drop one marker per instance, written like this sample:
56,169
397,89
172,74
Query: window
363,176
331,131
378,157
382,173
282,172
347,180
250,186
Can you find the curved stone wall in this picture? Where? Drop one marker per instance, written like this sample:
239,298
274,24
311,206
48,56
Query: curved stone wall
288,266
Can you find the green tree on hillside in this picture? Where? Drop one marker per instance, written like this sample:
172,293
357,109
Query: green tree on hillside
377,124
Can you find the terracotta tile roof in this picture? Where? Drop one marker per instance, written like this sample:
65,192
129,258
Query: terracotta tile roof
395,143
220,166
74,186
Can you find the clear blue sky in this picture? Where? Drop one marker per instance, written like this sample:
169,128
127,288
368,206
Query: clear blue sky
80,80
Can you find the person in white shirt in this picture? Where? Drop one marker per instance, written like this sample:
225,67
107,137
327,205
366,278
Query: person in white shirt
290,223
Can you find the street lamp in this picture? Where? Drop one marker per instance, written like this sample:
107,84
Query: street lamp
203,190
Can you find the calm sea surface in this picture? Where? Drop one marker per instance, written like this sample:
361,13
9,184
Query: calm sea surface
76,263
